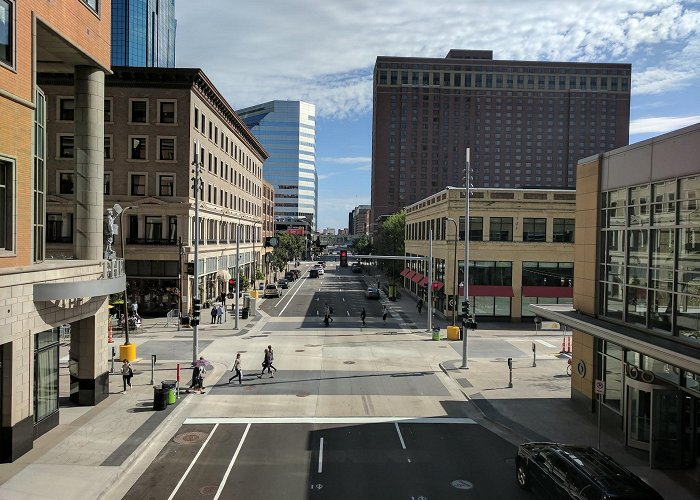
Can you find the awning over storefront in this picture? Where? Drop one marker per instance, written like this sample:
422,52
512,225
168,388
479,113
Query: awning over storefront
424,281
409,274
488,291
405,271
417,277
548,291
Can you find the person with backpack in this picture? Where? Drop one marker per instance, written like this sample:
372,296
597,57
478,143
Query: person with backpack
127,373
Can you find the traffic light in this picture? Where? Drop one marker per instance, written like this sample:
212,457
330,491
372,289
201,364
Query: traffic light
343,258
196,310
435,287
465,308
231,285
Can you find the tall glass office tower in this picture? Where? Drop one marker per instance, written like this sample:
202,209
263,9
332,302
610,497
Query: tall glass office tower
287,130
143,33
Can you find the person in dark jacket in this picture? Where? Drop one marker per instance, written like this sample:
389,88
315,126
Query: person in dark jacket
266,364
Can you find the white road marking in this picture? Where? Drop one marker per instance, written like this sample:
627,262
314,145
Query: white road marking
546,344
292,297
327,420
320,457
403,445
194,460
230,465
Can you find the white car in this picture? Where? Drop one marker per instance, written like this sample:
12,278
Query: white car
271,290
321,272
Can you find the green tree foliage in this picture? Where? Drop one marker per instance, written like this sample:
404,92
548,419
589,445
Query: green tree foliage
362,246
290,247
390,240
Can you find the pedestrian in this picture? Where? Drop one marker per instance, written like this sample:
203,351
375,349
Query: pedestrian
384,313
419,305
363,315
272,359
219,313
198,371
213,314
135,309
325,319
236,369
127,373
266,364
329,312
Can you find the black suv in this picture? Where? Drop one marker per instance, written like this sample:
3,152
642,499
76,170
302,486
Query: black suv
581,472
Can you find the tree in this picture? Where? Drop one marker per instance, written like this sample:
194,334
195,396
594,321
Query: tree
362,246
390,240
290,247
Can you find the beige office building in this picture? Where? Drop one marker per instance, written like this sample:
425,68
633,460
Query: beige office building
521,250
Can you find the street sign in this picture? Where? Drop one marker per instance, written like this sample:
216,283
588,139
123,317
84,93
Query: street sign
599,387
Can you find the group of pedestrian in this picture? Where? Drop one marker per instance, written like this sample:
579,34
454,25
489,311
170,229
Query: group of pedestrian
217,313
267,364
198,371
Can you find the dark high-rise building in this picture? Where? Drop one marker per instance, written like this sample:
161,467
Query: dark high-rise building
143,33
527,123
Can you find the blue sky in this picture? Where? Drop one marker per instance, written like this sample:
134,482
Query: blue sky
323,52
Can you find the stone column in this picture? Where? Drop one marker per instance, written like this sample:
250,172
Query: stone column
17,423
89,162
88,345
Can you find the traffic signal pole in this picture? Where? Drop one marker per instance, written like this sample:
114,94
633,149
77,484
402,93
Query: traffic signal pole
196,301
465,328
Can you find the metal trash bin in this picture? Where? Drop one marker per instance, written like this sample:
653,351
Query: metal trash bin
169,389
244,313
158,398
436,334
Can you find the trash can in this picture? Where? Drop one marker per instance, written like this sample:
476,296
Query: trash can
436,334
158,398
185,320
169,389
244,313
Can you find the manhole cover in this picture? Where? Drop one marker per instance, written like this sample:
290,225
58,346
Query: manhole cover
302,394
349,362
299,350
190,437
461,484
208,490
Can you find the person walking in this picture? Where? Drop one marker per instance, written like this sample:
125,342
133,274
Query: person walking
363,315
270,367
385,312
127,373
419,305
329,312
266,364
236,370
213,314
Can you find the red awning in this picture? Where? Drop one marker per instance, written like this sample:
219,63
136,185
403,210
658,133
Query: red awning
409,274
548,291
488,290
417,277
424,281
405,271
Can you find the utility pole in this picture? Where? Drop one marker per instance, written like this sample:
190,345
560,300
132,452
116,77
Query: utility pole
238,273
197,188
467,185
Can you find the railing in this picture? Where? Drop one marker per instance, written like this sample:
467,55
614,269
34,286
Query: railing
150,241
172,315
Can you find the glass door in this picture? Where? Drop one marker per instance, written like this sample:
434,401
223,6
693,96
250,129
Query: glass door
638,416
666,438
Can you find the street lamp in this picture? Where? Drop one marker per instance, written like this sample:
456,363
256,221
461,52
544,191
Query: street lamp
198,189
455,300
467,186
120,212
181,253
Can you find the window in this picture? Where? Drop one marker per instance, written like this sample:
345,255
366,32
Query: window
66,109
154,229
46,345
107,183
7,32
138,185
139,111
138,148
108,110
563,230
166,148
65,182
166,112
108,147
6,204
65,146
501,229
534,229
93,4
166,185
57,226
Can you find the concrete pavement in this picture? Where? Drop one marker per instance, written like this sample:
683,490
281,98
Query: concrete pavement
98,452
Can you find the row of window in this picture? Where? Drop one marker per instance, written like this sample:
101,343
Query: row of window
534,229
137,149
138,111
7,32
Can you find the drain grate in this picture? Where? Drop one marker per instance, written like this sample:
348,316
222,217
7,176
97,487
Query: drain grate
190,437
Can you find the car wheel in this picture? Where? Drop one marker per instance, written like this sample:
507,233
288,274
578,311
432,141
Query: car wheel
521,473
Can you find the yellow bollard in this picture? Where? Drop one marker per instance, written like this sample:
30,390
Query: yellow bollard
452,333
127,351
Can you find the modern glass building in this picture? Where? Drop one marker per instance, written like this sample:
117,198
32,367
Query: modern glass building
287,130
143,33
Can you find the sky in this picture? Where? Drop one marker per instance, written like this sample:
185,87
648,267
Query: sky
324,51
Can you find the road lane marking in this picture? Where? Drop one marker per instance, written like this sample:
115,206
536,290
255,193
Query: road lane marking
327,420
320,457
546,344
230,465
403,445
194,460
290,298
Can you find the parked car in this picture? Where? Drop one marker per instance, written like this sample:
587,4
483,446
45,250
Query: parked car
290,276
356,268
372,293
313,273
322,263
568,471
271,290
321,271
283,283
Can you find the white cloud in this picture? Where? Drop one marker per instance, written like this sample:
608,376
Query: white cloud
346,160
661,124
323,51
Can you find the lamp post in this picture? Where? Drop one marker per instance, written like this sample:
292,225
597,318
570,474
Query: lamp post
455,300
197,188
467,185
181,252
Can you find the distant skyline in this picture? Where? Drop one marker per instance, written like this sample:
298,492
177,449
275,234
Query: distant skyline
257,53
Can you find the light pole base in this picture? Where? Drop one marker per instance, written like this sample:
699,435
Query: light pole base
127,351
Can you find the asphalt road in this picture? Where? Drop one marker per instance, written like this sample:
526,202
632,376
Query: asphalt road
331,459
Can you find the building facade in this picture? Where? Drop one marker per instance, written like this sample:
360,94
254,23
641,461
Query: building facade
143,33
636,309
42,299
521,250
526,123
287,130
360,220
154,120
